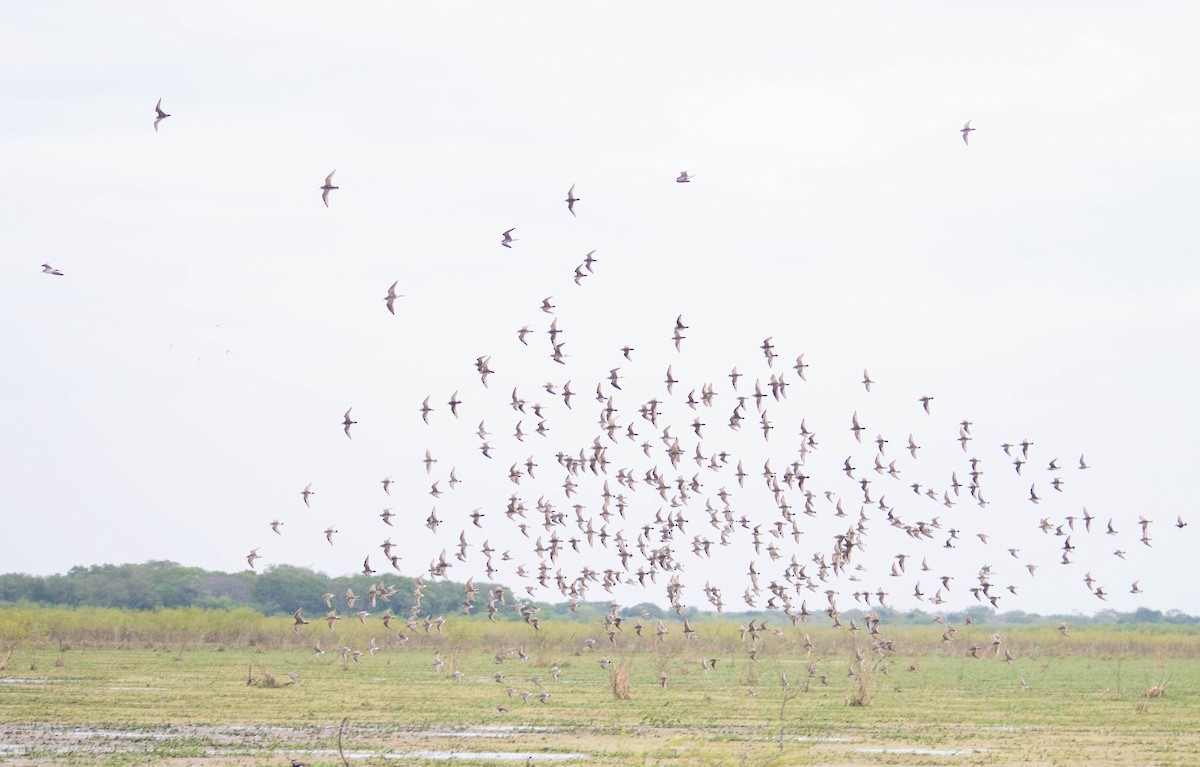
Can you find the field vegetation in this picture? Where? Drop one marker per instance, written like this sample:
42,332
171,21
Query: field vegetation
233,686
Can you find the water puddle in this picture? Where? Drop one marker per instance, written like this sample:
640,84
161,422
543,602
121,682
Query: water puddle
918,751
497,756
121,735
65,741
498,731
489,755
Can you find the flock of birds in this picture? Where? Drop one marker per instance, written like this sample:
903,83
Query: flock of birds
670,477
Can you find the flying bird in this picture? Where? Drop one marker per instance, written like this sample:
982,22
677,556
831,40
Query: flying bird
327,187
47,269
161,115
966,130
346,422
571,199
391,297
508,238
683,178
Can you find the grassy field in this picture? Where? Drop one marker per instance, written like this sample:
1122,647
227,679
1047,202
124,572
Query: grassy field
179,699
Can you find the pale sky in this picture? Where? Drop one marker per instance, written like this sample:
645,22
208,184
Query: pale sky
174,391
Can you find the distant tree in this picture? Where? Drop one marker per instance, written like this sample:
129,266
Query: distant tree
283,588
235,588
651,609
1142,615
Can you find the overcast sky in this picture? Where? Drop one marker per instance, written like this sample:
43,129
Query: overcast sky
172,393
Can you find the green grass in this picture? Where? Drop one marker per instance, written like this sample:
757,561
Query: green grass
182,700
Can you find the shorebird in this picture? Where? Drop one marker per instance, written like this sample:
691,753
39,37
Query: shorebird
275,527
329,531
387,483
161,115
327,187
47,269
966,130
683,178
801,366
253,555
391,297
508,238
347,423
571,200
856,428
307,491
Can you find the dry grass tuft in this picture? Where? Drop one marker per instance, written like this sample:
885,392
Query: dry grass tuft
620,680
862,687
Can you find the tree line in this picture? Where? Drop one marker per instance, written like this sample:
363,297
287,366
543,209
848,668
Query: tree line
281,589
